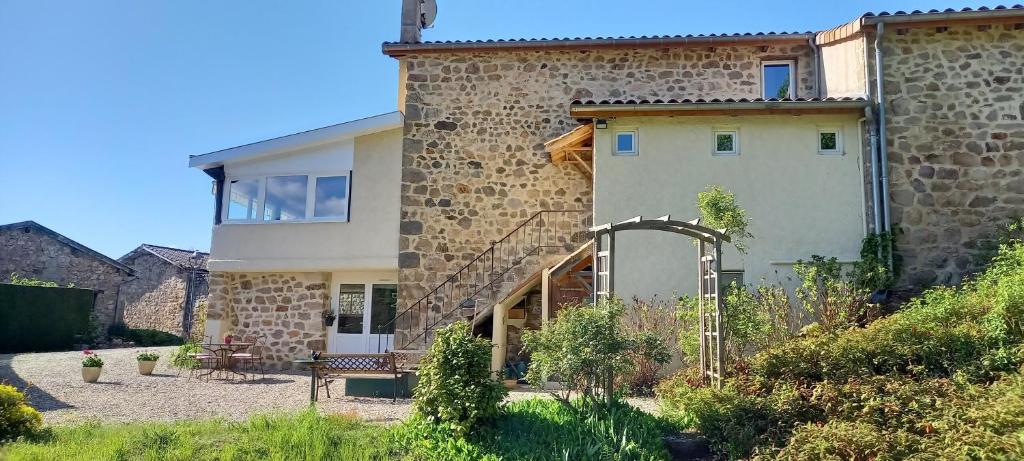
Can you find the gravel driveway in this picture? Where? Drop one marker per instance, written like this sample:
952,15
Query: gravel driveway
56,388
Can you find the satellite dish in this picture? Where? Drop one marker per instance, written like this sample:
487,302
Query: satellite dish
428,12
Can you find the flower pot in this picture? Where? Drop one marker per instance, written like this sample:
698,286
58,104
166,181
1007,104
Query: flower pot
511,383
91,374
146,367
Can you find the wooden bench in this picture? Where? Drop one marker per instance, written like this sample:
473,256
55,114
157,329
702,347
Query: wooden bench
329,367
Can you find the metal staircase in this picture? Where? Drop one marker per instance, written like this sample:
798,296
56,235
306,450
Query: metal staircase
472,291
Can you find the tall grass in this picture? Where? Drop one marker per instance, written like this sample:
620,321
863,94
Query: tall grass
302,436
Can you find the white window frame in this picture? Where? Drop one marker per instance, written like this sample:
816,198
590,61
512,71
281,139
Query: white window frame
636,142
735,132
839,140
792,76
310,198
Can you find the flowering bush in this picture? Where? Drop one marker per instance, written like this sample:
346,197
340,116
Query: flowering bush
17,418
91,359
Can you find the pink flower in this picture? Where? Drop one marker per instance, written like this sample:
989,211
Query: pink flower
87,352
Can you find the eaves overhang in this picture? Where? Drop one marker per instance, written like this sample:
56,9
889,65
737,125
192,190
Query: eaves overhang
730,107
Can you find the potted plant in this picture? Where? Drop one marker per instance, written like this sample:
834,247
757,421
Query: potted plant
147,361
511,378
329,316
92,365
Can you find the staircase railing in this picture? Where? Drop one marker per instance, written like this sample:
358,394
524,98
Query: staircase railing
554,231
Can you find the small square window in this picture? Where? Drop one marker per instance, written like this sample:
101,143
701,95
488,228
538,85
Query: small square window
829,141
625,143
726,143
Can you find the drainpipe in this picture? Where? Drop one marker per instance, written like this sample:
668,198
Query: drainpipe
883,145
817,65
876,198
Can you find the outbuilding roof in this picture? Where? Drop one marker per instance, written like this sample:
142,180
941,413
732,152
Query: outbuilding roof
29,226
176,256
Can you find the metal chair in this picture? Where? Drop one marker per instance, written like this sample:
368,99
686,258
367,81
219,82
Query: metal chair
205,357
253,358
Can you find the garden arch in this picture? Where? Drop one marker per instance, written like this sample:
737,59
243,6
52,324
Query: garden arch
709,263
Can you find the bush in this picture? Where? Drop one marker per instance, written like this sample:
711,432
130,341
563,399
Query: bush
586,349
544,429
837,304
17,418
456,388
144,337
653,326
181,359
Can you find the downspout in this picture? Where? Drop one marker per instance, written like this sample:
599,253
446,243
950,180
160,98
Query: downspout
876,199
883,145
817,64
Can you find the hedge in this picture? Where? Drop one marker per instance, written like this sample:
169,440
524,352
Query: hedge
42,318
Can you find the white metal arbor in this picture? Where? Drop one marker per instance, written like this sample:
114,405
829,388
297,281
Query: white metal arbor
709,263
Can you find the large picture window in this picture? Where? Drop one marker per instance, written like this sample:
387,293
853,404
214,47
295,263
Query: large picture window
299,197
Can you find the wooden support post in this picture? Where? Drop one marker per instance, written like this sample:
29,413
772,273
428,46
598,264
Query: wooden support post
611,263
719,307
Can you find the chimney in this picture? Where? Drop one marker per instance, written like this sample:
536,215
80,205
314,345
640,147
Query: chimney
412,21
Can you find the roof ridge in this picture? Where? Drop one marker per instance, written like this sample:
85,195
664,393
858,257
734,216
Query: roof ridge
71,243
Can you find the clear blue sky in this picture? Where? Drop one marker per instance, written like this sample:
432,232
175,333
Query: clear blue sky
101,102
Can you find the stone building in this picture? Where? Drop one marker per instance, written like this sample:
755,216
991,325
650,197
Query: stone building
515,144
169,284
31,250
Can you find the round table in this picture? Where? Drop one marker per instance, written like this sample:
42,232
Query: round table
222,352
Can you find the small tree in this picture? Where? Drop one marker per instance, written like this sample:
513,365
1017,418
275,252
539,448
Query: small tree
585,349
455,386
719,210
836,303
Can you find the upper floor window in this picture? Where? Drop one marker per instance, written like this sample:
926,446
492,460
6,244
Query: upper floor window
778,80
626,143
830,141
288,198
726,142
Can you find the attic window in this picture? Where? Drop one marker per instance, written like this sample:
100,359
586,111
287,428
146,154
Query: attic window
777,80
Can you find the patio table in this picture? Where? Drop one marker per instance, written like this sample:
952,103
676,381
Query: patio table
223,351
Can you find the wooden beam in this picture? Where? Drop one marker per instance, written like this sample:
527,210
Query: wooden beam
590,172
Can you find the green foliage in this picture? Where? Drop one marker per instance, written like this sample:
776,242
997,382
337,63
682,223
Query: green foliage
31,281
90,359
148,357
144,337
872,272
586,349
181,359
836,303
302,436
938,380
719,210
456,389
1008,233
544,429
17,418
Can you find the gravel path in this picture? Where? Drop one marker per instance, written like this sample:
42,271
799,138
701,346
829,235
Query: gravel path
56,388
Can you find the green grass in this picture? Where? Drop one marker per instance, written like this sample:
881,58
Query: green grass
301,436
539,429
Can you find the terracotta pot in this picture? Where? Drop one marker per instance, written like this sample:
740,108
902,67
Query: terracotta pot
511,383
146,367
91,374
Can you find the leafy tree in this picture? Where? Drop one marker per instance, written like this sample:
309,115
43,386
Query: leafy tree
719,210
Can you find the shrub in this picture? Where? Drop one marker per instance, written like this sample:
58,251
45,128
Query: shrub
455,386
719,210
34,282
144,337
17,418
836,303
838,440
181,358
586,349
872,272
653,326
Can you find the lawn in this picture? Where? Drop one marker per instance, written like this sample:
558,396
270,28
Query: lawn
536,429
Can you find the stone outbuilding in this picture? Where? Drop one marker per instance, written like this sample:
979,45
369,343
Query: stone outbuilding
169,283
32,250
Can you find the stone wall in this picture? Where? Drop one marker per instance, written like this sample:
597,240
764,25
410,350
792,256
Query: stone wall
33,253
474,165
956,143
286,307
156,297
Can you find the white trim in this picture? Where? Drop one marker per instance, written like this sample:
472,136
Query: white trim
792,76
346,130
735,132
310,198
635,151
839,140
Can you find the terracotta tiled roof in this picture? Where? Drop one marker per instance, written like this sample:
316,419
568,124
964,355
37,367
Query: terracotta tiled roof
606,102
947,10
